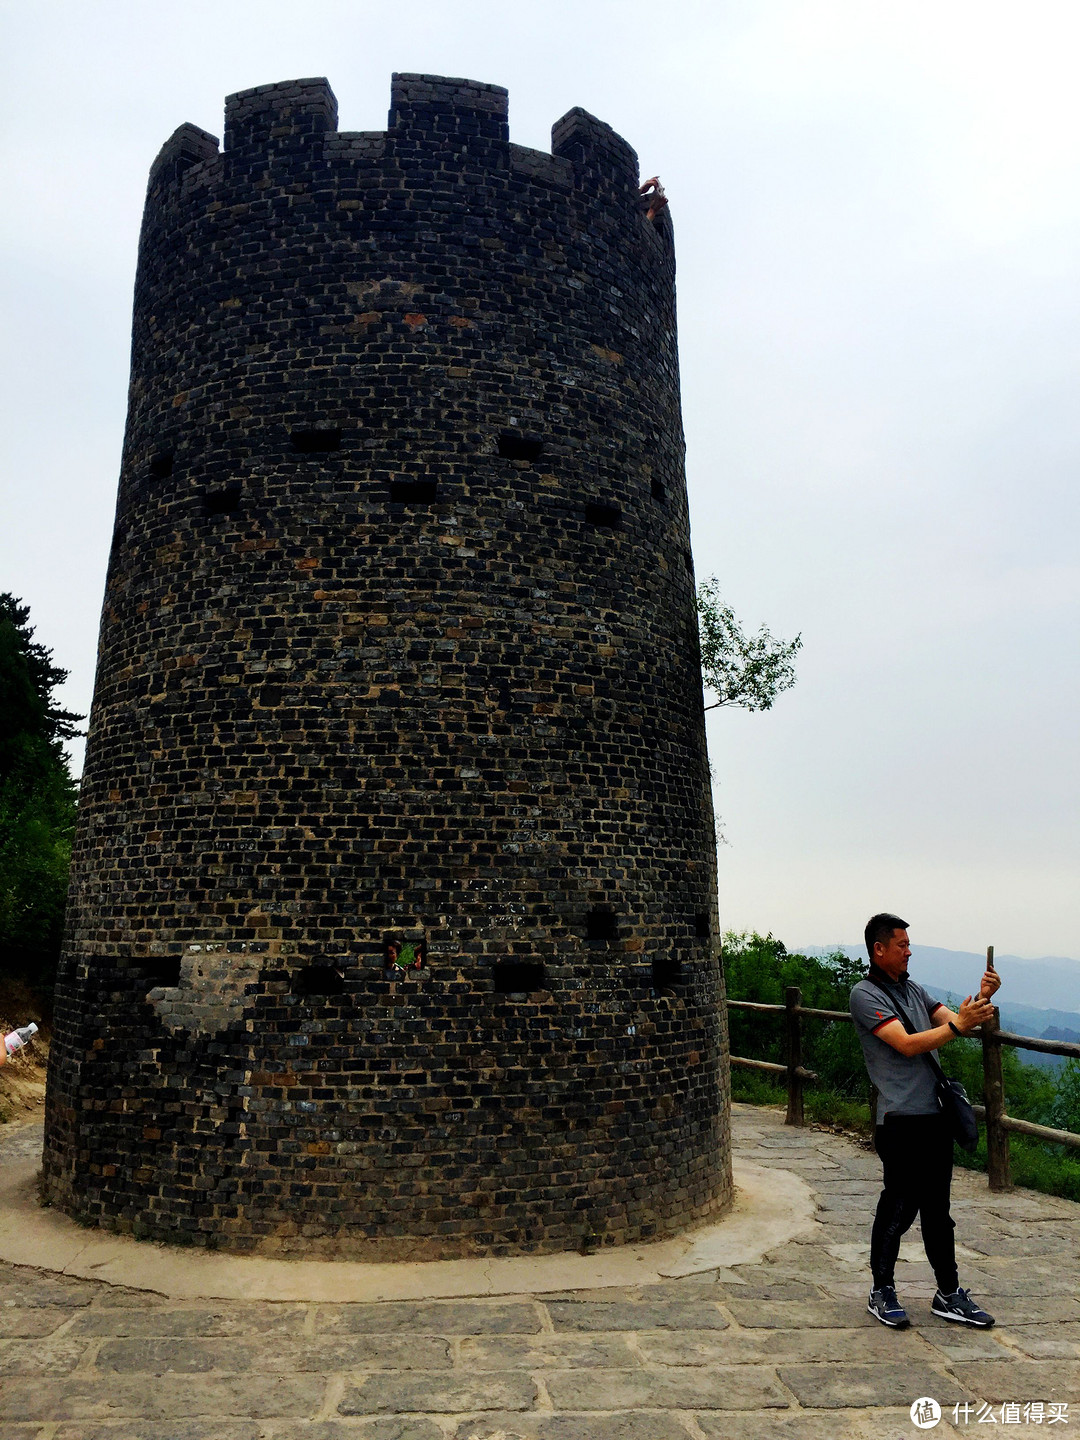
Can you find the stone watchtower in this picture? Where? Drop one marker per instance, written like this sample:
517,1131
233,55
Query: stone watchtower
393,922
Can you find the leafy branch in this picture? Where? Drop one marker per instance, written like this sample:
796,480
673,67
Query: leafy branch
745,670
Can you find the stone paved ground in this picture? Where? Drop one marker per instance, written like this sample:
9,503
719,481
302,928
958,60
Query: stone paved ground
779,1349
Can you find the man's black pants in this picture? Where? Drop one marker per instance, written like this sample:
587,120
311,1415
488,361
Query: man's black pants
917,1155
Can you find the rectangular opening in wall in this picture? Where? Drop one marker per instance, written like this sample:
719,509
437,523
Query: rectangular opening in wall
667,974
161,465
413,492
223,501
315,442
601,925
602,514
404,952
515,977
513,446
317,981
702,927
163,970
659,489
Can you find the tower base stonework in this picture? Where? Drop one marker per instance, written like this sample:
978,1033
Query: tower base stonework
393,928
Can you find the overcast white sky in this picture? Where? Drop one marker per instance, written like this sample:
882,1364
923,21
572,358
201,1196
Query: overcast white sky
877,212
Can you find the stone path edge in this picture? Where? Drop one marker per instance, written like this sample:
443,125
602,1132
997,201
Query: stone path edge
771,1207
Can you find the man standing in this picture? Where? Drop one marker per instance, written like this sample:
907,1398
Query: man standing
911,1135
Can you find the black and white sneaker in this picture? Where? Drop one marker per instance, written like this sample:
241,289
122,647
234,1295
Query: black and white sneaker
959,1306
884,1306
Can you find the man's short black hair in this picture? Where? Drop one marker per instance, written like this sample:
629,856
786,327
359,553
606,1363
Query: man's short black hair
881,927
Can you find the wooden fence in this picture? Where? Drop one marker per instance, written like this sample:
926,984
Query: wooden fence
998,1123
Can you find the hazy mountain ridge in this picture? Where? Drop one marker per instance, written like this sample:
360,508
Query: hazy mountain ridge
1049,983
1037,997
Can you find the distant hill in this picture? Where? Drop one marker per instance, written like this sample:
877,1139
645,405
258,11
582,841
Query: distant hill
1050,983
1027,1020
1037,997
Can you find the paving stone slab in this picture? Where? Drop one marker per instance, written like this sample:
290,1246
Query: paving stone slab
18,1324
744,1387
1047,1342
40,1357
236,1319
844,1184
959,1342
804,1427
800,1314
30,1290
170,1397
763,1289
178,1430
689,1287
536,1352
1011,1310
841,1203
422,1318
277,1355
998,1244
832,1387
125,1298
771,1347
599,1315
395,1427
1023,1380
631,1425
1026,1206
438,1393
990,1279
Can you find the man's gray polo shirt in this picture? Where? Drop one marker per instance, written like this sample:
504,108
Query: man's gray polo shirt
905,1083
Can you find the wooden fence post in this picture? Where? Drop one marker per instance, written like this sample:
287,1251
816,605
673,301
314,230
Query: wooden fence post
793,1047
997,1137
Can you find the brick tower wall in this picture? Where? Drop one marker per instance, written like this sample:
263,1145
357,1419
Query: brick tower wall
398,657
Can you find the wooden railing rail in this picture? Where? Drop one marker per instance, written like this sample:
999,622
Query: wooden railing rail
1036,1042
999,1125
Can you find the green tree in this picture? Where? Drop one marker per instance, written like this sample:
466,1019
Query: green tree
745,670
759,968
37,799
1066,1110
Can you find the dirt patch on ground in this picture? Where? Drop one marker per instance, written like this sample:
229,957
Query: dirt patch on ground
22,1079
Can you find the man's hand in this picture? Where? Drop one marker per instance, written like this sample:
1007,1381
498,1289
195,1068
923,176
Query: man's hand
991,981
973,1012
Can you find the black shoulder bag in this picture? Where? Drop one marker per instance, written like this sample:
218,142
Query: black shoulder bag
951,1096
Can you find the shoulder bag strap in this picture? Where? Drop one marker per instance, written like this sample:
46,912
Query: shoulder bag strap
905,1020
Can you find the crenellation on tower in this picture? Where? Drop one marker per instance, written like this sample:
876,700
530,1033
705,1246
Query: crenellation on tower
398,658
599,156
185,147
297,112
